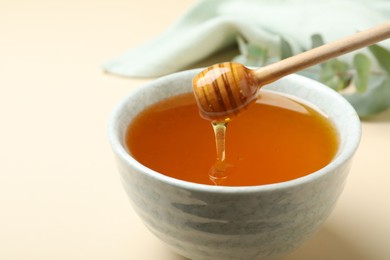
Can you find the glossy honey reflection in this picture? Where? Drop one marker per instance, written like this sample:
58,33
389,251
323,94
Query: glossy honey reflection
224,90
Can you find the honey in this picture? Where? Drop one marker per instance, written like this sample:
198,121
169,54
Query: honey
277,139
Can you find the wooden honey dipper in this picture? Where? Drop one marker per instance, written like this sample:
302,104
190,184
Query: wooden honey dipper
224,90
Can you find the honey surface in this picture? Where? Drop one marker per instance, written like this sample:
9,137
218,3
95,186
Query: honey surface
277,139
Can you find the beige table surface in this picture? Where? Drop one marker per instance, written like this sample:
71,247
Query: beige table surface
60,195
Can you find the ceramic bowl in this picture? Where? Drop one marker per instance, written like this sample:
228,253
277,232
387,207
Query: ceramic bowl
214,222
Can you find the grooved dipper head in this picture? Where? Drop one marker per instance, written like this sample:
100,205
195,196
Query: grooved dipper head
224,90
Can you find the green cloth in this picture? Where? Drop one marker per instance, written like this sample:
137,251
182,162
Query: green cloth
212,25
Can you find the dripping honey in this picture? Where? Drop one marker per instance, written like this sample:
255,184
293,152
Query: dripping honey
276,140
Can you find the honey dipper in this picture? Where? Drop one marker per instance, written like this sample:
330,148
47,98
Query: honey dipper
224,90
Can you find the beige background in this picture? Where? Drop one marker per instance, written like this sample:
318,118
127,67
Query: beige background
60,195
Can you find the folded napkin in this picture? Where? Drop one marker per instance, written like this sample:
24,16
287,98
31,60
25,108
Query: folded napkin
212,25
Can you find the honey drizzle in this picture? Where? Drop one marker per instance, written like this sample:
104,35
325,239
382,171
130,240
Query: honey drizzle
217,171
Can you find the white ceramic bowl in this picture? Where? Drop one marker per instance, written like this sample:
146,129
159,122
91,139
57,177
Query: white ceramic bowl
255,222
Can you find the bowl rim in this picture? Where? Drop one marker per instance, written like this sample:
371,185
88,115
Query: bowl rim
339,159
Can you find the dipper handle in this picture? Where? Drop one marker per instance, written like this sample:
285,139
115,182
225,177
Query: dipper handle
224,90
322,53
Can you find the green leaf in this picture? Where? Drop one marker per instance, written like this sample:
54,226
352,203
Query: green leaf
251,54
335,74
285,49
376,99
254,51
316,40
335,83
242,45
362,66
382,55
311,72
